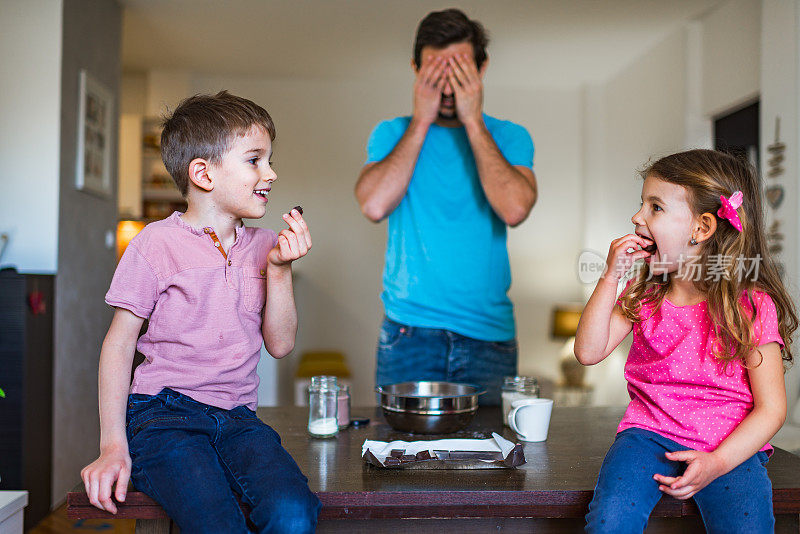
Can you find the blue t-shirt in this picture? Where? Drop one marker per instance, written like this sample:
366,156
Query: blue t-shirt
446,256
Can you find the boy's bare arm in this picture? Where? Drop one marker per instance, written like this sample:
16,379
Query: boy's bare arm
510,189
280,313
279,325
114,463
383,184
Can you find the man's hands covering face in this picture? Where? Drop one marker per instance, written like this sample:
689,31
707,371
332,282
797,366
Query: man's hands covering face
467,85
428,87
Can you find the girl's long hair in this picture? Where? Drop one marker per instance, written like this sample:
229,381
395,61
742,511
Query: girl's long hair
726,262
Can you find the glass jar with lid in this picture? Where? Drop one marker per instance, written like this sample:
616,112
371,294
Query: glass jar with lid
322,406
516,388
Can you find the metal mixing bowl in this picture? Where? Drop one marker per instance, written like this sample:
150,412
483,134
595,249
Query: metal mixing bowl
429,407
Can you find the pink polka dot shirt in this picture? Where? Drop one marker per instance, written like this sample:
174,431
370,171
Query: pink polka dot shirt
678,388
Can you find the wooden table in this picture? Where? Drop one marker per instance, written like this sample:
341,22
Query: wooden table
550,493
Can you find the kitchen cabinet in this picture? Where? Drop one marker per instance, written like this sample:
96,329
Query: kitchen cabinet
160,196
26,377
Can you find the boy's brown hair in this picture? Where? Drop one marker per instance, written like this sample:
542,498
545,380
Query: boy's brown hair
440,29
203,126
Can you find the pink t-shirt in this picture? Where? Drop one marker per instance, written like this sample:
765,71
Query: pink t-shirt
204,336
678,389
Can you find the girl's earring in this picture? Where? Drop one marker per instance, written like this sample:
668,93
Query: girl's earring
693,241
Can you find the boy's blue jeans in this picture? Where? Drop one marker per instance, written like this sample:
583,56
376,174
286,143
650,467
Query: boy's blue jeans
411,353
739,501
195,459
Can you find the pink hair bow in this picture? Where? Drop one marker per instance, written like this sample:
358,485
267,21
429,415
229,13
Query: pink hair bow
728,209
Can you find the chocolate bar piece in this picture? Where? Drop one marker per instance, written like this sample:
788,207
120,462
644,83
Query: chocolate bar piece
397,453
408,458
299,209
391,461
423,455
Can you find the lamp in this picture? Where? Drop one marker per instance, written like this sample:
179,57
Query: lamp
564,325
565,320
127,230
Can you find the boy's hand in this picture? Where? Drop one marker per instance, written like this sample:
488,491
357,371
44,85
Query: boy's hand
467,86
622,253
293,242
428,86
100,475
702,469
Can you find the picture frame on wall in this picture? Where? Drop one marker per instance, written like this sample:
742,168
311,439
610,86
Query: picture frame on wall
95,136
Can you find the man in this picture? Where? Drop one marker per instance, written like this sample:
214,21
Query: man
450,179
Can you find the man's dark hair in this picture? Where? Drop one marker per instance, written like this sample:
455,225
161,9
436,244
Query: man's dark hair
204,126
440,29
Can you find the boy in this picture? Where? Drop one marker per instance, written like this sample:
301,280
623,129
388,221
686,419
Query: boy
213,291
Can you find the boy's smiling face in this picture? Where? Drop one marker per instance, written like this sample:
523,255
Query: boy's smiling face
243,177
666,219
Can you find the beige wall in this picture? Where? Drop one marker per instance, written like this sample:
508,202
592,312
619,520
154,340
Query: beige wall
86,261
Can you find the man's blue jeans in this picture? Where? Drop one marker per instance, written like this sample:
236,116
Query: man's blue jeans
195,460
411,353
738,501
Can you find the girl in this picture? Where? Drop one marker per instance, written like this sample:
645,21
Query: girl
712,324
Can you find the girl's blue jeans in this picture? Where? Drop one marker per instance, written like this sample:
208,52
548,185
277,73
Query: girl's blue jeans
739,501
198,462
411,353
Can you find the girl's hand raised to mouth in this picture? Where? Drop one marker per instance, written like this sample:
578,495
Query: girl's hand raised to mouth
623,253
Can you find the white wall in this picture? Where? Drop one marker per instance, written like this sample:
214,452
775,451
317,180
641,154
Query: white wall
542,251
780,91
731,54
30,82
635,116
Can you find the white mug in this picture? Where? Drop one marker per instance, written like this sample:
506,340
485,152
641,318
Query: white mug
530,418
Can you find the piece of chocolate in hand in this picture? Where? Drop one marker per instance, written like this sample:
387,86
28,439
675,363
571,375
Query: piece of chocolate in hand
299,209
650,248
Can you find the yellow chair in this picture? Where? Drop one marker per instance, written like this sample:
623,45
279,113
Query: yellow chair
315,363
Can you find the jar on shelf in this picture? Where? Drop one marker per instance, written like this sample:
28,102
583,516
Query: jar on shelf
516,388
343,401
323,406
